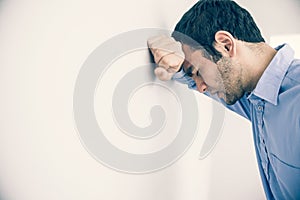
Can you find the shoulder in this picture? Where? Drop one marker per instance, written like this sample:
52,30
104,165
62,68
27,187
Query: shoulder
291,81
293,73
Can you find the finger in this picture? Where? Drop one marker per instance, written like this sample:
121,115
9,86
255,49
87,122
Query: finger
163,74
166,51
171,62
160,52
154,39
166,45
162,43
162,58
174,49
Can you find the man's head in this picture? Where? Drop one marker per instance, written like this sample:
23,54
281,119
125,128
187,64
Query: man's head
207,17
222,32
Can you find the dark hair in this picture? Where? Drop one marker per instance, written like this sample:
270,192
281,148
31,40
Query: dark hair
207,17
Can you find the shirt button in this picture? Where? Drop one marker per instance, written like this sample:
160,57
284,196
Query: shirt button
260,108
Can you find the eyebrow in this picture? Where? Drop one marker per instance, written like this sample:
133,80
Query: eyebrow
190,70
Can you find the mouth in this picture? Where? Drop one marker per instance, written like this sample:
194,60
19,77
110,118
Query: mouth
213,92
221,95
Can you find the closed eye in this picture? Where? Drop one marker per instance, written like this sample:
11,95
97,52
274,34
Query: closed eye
191,71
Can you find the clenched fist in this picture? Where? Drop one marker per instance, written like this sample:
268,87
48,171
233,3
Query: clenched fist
168,55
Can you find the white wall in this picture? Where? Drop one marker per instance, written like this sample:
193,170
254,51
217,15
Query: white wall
275,17
44,44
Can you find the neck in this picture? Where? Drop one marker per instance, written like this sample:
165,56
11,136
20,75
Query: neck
258,58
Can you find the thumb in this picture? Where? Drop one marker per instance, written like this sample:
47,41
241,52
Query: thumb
163,74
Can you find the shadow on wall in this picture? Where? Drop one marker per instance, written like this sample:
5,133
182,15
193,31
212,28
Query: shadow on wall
2,5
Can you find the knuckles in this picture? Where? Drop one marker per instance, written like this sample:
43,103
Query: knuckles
168,54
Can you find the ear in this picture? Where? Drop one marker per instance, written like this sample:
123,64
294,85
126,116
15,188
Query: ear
225,43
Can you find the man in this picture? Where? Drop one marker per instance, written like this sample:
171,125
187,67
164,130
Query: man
220,52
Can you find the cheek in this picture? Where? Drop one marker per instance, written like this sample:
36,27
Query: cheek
225,68
213,79
211,74
199,83
198,80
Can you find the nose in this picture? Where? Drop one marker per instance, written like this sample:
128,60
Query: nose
201,85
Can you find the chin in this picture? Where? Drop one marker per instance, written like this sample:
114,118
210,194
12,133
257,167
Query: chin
230,100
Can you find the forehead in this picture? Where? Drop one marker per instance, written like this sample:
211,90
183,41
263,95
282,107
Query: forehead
195,56
191,51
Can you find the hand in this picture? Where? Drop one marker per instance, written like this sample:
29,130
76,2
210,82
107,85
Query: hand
168,55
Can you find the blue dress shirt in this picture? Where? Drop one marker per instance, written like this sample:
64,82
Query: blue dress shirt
273,108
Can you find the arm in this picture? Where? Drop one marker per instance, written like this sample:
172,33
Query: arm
169,56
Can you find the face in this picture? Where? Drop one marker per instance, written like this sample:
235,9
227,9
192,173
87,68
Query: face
222,78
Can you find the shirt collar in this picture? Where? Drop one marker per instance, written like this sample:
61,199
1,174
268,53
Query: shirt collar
269,84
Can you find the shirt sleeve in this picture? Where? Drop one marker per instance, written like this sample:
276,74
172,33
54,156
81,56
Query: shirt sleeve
185,79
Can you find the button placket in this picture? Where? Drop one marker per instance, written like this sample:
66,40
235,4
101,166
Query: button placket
259,107
259,112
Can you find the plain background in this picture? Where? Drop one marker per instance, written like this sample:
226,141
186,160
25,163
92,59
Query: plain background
42,47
